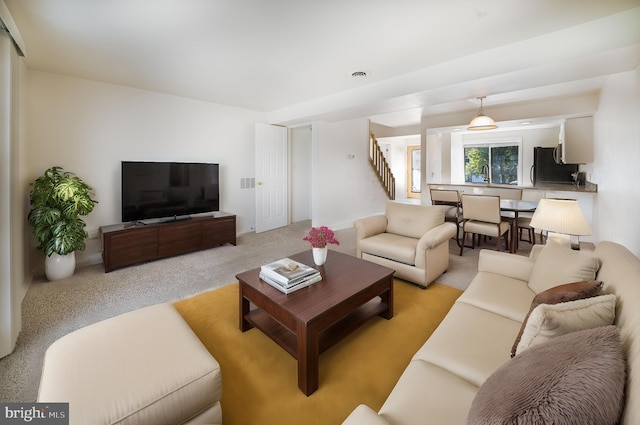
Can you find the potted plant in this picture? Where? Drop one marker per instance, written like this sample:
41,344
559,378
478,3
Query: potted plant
319,237
58,199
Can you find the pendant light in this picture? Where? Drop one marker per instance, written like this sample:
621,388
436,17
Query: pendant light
481,121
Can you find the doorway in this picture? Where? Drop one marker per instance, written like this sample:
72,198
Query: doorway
300,167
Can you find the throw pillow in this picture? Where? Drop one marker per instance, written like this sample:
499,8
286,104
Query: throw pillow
577,378
557,264
558,294
551,320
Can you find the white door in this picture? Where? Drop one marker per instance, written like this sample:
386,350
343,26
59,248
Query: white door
271,177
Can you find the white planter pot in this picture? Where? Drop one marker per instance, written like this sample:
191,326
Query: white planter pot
319,255
60,266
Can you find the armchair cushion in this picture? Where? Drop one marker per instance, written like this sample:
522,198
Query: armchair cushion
391,246
404,220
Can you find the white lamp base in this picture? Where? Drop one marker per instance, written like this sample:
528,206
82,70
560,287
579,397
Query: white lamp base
570,241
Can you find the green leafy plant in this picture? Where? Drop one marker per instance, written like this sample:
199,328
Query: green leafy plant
58,199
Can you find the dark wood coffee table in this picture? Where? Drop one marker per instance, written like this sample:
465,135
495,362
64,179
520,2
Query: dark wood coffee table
307,322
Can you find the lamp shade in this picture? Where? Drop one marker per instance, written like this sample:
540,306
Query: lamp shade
560,216
482,122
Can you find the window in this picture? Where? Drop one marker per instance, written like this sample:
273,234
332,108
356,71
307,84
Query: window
497,163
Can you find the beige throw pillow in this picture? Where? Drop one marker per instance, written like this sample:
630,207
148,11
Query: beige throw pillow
548,321
559,294
557,264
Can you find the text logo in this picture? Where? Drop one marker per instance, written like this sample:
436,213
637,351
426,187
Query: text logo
34,413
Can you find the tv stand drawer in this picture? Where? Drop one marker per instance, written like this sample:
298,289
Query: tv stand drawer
179,239
219,232
126,245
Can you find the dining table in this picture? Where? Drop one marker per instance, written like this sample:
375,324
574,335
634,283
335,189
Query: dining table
516,206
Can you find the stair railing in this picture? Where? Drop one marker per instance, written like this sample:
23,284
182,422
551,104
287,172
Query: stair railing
381,168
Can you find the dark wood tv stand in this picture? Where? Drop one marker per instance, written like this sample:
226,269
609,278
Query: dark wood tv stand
125,245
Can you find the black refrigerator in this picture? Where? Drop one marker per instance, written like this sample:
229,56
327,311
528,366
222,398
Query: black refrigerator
546,170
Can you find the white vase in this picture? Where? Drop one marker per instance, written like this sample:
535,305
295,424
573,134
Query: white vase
319,255
58,266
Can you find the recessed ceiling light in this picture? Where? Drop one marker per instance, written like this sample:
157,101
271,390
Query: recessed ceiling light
358,74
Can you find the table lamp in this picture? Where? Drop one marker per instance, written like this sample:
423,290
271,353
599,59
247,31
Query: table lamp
562,216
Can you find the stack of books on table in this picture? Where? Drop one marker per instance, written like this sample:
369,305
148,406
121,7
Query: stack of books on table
289,275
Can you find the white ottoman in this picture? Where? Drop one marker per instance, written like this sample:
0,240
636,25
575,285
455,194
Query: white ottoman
143,367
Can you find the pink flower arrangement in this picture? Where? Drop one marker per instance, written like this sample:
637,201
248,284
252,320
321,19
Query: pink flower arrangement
320,237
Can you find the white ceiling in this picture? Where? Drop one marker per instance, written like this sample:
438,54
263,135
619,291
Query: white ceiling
293,59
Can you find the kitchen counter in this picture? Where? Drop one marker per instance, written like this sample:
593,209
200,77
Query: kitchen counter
558,187
569,187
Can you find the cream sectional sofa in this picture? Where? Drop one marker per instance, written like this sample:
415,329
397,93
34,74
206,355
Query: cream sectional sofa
411,239
472,345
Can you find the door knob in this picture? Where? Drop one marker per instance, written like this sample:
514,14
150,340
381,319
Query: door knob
259,183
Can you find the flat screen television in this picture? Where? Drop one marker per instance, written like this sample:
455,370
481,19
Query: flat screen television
168,189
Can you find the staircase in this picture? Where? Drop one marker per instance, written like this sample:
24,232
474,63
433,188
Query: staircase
381,168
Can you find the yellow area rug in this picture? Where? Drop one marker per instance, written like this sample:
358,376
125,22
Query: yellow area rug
259,379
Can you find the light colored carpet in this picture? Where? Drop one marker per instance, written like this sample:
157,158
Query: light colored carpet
53,309
260,379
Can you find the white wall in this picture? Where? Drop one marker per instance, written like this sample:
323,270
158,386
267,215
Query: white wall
88,127
617,161
344,187
438,158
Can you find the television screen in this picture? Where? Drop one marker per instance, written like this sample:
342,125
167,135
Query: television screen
168,189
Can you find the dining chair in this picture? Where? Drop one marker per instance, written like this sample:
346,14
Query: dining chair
452,199
524,218
481,216
510,216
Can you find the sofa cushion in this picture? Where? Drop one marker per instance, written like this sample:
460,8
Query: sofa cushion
558,294
557,264
548,321
470,342
418,398
391,246
577,378
499,294
412,220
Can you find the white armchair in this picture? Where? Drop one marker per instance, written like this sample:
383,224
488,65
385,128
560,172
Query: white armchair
411,239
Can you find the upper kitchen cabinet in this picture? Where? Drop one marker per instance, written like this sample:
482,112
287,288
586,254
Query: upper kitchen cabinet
577,140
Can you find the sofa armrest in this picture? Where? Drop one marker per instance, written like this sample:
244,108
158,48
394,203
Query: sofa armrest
364,415
436,236
505,264
535,250
370,226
